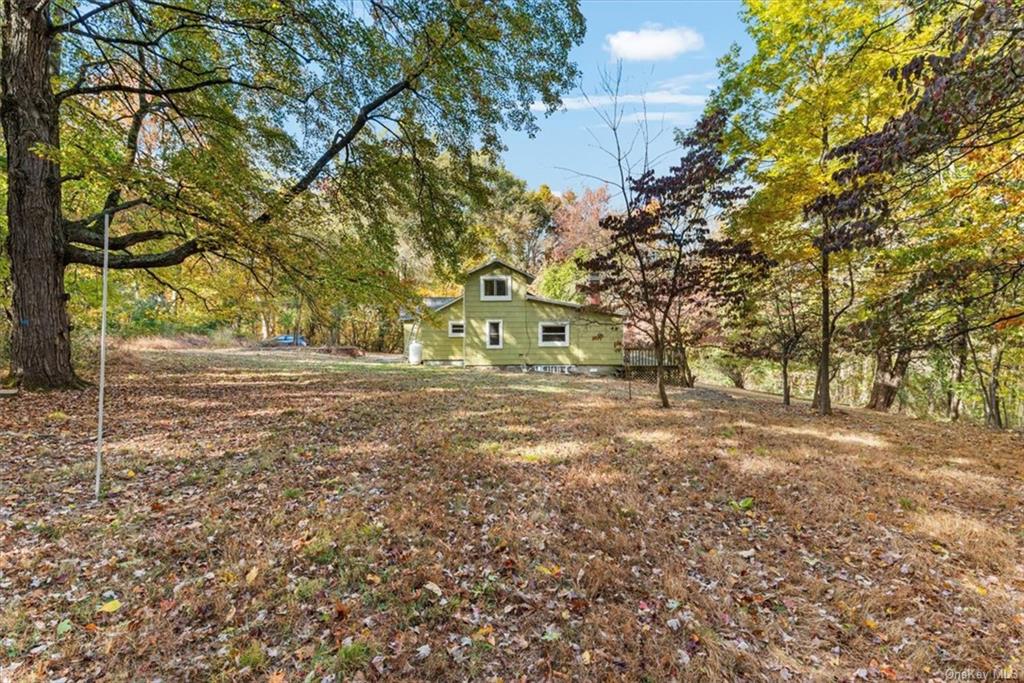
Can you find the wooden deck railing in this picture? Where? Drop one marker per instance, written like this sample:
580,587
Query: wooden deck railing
641,363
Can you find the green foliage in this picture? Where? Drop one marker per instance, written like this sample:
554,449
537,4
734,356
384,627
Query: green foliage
561,280
294,148
253,657
223,153
513,223
742,505
306,589
940,281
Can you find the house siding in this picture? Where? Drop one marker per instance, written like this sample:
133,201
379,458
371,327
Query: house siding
593,338
433,335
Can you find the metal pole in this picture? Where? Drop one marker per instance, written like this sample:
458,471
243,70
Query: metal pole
103,352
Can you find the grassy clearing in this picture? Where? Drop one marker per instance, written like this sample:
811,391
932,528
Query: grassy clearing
282,515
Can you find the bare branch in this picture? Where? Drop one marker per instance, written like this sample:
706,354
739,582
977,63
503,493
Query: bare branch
81,18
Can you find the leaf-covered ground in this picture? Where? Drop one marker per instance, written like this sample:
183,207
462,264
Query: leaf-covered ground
283,516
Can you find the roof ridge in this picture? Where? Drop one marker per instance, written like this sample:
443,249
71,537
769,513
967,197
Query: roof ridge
494,259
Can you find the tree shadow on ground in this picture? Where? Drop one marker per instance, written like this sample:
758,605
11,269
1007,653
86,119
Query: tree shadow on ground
515,524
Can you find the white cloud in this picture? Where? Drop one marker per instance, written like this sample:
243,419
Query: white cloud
705,79
652,43
653,97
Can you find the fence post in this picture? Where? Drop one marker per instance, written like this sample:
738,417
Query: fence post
629,374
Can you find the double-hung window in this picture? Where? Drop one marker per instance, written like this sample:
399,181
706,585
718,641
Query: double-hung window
495,334
553,333
456,328
495,288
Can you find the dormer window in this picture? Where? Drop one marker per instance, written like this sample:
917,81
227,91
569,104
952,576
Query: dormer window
495,288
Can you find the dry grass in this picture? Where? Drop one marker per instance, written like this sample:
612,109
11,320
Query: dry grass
292,514
179,342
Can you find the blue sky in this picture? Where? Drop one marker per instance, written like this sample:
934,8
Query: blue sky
667,50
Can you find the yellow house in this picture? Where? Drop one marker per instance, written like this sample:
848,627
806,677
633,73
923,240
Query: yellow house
498,322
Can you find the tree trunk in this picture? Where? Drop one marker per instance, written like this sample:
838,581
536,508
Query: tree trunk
735,375
993,407
659,353
954,403
817,388
41,334
264,327
686,377
889,375
993,404
785,381
298,323
822,393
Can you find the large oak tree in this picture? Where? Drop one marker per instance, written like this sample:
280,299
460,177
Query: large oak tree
201,126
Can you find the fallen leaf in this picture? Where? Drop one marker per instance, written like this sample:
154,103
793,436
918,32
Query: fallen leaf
553,571
110,606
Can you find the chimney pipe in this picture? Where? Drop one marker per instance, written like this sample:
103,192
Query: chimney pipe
593,296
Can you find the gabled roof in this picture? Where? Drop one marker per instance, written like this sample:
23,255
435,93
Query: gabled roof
441,305
555,302
569,304
431,303
436,303
497,261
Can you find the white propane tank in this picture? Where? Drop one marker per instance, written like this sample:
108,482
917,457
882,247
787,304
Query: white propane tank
415,353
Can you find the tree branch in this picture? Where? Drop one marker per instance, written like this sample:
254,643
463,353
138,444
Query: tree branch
343,140
156,92
82,18
95,239
171,257
97,217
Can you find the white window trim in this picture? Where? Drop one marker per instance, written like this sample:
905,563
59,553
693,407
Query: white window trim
508,287
540,332
456,322
501,334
